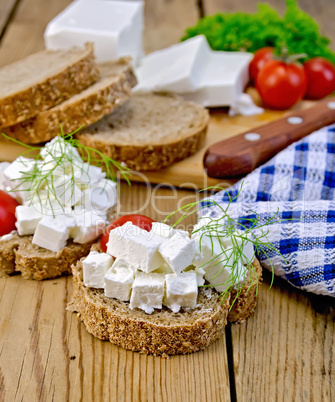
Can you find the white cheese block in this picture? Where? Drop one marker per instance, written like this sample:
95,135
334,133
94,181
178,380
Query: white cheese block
3,166
136,246
164,269
28,218
147,292
200,275
181,291
95,266
162,229
224,79
209,249
194,71
119,280
115,28
66,191
229,270
87,175
247,252
88,226
58,148
52,233
16,175
101,196
177,68
178,252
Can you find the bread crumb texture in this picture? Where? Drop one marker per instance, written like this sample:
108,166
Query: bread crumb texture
163,332
111,90
34,262
149,131
58,75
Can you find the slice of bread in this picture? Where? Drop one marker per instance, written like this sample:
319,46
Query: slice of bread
111,90
149,131
162,332
44,80
19,255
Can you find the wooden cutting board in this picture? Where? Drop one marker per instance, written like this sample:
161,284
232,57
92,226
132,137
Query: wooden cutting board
190,173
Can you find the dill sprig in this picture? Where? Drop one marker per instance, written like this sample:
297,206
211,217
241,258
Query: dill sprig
239,234
55,175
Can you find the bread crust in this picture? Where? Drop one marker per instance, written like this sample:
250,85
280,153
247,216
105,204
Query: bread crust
245,304
50,92
34,262
79,112
163,332
154,156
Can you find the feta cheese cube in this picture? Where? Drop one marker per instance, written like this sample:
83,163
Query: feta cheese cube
136,246
193,70
177,68
115,28
101,196
88,226
209,249
178,252
148,291
119,280
16,176
66,191
87,175
58,148
27,219
52,233
227,271
181,291
164,269
3,166
162,229
95,266
245,245
200,275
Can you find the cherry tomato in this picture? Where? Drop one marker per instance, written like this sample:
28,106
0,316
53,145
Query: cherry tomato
141,221
7,213
261,57
320,75
281,84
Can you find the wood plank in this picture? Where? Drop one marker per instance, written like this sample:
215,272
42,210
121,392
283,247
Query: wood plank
25,33
286,352
166,21
47,354
6,8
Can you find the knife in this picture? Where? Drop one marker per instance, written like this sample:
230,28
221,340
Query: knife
241,154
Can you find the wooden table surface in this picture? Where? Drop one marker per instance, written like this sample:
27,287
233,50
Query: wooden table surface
285,352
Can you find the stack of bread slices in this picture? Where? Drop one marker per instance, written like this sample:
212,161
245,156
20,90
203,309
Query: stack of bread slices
67,88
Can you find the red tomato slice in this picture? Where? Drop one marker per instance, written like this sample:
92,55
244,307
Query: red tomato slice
141,221
320,74
7,213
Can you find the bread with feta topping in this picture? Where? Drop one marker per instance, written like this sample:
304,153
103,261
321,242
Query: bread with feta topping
163,332
110,91
19,254
44,80
149,131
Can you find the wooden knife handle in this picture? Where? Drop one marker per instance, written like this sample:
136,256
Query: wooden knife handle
241,154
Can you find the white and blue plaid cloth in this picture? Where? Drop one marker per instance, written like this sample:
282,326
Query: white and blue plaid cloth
299,182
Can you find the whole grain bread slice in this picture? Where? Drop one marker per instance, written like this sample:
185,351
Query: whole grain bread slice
111,90
44,80
149,131
18,254
162,332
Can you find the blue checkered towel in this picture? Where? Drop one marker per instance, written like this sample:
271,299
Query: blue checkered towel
299,182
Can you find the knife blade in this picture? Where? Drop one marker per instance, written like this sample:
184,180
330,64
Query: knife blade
241,154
